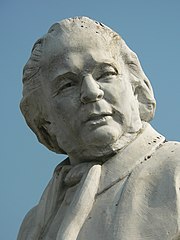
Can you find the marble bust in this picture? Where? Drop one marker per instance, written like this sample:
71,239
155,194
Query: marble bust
86,95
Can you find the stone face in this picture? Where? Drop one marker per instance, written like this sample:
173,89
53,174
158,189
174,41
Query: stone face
86,95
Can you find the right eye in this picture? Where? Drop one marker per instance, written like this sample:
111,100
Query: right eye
63,83
66,85
62,87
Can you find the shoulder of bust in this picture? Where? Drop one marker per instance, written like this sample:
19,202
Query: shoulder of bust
169,151
163,162
27,224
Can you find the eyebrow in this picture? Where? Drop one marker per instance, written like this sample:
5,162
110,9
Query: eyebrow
74,75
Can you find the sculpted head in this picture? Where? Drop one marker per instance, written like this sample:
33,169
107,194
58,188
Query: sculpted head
84,90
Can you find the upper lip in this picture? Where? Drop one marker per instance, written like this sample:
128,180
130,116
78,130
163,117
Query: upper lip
96,116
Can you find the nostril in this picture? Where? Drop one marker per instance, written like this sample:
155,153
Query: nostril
92,97
101,93
85,99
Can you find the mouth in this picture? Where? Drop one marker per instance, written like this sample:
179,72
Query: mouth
100,118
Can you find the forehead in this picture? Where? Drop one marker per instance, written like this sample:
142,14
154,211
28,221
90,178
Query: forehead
78,49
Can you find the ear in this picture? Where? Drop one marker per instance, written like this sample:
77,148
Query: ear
46,137
37,120
140,84
147,103
43,134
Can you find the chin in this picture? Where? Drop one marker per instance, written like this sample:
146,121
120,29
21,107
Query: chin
99,144
102,136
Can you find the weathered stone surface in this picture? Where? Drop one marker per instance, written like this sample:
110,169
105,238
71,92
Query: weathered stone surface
86,95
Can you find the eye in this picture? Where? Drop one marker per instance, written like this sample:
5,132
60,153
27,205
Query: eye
132,65
65,86
62,86
63,83
107,75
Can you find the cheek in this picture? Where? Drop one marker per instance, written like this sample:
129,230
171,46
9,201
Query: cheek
63,115
66,105
65,112
115,92
120,95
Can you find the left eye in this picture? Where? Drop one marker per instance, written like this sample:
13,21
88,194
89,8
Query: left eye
107,74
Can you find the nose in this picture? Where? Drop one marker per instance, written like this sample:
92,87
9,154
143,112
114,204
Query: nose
90,90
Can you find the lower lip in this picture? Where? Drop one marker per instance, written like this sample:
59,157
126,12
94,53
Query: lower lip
100,120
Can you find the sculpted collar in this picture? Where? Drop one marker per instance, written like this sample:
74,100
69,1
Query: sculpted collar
121,165
96,179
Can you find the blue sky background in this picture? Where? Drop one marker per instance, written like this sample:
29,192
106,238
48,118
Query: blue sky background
150,28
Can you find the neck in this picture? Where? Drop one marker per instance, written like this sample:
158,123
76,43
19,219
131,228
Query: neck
101,153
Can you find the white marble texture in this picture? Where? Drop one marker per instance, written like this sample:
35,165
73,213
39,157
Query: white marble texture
86,95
